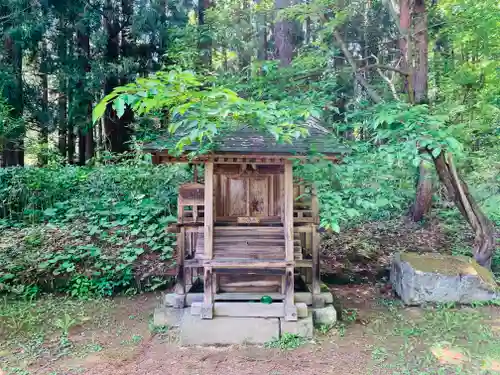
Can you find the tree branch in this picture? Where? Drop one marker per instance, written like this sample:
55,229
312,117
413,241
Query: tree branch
384,67
362,81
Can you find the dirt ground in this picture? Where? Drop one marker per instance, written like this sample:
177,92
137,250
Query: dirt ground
152,353
370,341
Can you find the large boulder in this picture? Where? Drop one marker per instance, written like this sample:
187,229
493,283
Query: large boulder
420,278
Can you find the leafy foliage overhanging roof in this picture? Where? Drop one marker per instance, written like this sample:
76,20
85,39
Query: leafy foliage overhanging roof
249,140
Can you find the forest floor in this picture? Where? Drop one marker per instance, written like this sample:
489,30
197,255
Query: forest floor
59,335
378,336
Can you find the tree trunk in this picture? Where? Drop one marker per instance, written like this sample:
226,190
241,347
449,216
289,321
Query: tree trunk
404,42
283,36
418,95
62,125
261,33
115,130
484,242
13,149
423,198
204,41
421,75
43,139
85,134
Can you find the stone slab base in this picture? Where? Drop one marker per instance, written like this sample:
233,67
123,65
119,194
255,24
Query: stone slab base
167,317
303,327
227,330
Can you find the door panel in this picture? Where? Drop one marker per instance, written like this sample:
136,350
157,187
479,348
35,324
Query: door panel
258,199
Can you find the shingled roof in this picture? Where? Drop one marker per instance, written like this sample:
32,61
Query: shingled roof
247,140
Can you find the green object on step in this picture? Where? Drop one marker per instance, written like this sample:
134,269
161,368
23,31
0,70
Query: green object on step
266,299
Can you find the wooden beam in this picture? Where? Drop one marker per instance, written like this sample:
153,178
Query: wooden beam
247,263
209,213
288,210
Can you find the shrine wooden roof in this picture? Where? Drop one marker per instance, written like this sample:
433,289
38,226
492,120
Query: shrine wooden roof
247,140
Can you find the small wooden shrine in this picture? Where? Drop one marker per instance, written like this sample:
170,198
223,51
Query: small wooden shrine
250,229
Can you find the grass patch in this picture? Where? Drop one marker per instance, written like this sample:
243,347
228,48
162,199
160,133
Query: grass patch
436,340
38,330
287,341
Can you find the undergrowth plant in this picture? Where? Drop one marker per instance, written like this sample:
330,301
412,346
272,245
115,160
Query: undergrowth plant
87,231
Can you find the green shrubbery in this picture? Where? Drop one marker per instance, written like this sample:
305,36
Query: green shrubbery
87,231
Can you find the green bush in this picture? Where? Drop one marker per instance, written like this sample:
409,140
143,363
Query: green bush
87,231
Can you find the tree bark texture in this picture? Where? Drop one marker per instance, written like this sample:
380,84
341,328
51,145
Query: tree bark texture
62,104
484,242
114,127
12,55
421,74
284,36
423,198
43,139
85,135
417,92
204,41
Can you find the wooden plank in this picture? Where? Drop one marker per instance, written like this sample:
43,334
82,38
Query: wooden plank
258,198
247,263
209,203
207,311
288,211
303,263
290,309
247,296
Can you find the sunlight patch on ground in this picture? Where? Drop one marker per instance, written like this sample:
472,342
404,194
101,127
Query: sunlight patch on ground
449,356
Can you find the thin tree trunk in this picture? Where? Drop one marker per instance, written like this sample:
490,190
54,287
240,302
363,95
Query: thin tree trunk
484,243
62,119
13,148
404,42
112,124
204,41
85,134
43,139
261,33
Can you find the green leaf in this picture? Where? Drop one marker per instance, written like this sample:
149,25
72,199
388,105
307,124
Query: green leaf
436,152
336,227
99,111
119,106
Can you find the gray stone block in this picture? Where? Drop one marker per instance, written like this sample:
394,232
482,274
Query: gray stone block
174,300
302,310
325,316
420,278
303,327
226,330
167,316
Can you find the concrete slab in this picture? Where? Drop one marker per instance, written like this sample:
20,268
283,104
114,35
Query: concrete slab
303,327
227,330
167,316
174,300
243,309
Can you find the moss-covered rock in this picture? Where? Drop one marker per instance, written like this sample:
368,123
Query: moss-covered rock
420,278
